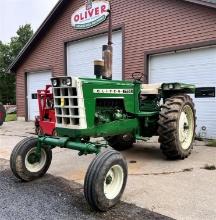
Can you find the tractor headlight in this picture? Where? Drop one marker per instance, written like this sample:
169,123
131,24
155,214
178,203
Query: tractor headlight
171,86
54,82
165,87
68,82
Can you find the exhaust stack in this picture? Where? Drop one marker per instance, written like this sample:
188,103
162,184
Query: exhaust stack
107,57
108,52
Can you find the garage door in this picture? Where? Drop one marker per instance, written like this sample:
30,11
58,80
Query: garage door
81,55
195,66
35,81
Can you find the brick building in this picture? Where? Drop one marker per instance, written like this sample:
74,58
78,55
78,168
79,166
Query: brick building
167,40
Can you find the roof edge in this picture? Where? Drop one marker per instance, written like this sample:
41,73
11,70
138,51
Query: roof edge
203,3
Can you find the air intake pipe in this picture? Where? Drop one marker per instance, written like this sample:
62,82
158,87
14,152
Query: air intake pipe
98,68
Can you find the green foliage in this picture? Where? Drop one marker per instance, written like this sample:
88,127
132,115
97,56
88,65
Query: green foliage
211,143
5,57
24,33
11,117
7,88
8,53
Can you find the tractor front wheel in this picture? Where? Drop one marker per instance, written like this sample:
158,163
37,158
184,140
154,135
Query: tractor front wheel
24,162
177,123
121,142
105,180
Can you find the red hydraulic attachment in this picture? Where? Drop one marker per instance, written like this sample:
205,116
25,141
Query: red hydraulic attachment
45,122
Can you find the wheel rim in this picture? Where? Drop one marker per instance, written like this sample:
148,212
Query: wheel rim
113,182
186,127
35,167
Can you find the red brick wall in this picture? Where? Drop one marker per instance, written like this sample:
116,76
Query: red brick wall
149,24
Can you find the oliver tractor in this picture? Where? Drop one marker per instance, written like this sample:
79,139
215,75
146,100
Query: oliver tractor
119,111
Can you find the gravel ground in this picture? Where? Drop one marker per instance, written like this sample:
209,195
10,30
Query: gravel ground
55,198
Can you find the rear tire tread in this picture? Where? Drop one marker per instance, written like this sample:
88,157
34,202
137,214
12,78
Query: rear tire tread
167,128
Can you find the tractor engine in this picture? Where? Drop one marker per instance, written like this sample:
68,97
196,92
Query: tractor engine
108,110
83,106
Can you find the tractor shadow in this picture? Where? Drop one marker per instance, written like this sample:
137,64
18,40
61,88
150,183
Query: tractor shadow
53,197
145,151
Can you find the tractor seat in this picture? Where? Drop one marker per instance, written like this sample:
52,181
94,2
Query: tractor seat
150,89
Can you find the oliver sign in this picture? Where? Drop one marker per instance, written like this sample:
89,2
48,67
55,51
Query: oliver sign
90,15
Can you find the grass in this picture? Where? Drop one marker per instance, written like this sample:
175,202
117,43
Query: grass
211,143
11,117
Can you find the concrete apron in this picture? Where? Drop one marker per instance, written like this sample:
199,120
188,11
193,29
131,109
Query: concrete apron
179,189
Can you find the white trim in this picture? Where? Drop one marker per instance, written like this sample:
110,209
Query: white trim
76,83
20,118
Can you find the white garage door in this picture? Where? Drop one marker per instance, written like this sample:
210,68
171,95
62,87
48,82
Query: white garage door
81,55
35,81
197,67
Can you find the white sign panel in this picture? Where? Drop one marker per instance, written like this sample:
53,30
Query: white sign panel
90,15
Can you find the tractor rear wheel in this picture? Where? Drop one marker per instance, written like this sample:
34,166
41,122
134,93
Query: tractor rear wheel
121,142
105,180
177,123
24,162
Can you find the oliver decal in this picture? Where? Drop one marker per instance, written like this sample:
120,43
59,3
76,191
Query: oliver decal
90,15
113,91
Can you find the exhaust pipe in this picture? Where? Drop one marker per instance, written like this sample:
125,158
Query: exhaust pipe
108,52
107,57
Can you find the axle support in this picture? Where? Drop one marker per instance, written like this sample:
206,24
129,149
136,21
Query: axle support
84,148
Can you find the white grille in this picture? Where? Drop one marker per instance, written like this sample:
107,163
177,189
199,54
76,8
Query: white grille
69,105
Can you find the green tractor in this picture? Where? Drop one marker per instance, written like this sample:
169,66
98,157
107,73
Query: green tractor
119,111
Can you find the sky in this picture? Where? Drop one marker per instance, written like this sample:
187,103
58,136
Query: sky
14,13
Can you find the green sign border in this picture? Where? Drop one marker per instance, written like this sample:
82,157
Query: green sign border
90,24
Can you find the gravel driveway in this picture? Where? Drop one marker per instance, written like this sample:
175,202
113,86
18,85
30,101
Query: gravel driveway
55,198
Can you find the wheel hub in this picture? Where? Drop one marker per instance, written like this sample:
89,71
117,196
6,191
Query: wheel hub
113,182
109,180
33,163
33,158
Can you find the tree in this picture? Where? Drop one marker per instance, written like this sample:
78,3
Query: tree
5,57
8,53
6,80
24,33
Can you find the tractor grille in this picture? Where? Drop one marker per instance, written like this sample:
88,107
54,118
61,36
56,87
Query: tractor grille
69,107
